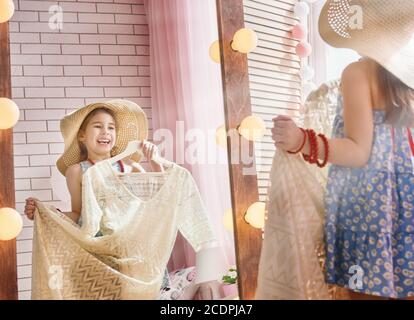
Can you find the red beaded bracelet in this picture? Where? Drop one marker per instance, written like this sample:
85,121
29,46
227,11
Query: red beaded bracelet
314,149
313,156
305,156
326,153
303,143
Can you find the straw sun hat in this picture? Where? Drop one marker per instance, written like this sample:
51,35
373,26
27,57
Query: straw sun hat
379,29
131,124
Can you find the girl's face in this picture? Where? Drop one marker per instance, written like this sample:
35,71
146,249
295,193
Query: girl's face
100,135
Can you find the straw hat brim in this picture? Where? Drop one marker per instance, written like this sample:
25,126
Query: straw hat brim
386,35
131,124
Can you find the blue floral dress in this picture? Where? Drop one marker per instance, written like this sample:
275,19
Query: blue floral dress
369,226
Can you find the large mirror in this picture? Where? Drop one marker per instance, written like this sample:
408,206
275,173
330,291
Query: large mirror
281,76
129,229
320,204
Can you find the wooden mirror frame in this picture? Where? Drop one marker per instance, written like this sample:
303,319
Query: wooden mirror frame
237,106
8,258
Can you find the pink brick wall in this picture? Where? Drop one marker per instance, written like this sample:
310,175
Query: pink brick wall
100,54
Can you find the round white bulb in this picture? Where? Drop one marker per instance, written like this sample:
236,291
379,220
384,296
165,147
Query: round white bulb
244,40
221,136
9,113
11,224
214,51
228,219
255,215
252,128
6,10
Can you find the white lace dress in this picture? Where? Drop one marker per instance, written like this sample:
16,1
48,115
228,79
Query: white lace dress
138,214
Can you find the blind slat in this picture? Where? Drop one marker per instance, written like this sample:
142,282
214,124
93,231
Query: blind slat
286,5
275,89
274,74
280,16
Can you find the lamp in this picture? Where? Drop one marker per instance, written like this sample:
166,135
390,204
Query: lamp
299,32
255,215
11,224
214,51
303,49
244,40
9,113
221,136
252,128
6,10
228,219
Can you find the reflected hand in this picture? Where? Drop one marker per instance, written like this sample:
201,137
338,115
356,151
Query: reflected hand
286,134
30,207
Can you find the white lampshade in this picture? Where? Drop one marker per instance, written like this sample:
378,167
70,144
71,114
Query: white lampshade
214,51
228,219
244,40
9,113
6,10
221,136
11,224
255,215
252,128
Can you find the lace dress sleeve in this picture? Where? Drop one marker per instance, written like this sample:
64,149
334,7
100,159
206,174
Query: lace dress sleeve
193,221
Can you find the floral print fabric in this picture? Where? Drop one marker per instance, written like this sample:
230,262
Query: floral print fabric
369,226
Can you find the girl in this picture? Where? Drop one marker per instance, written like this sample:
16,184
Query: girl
98,132
96,138
369,223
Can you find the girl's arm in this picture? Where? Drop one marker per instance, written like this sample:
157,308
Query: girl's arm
355,149
74,183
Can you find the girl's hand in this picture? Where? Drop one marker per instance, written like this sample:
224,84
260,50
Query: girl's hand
30,208
150,151
286,134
